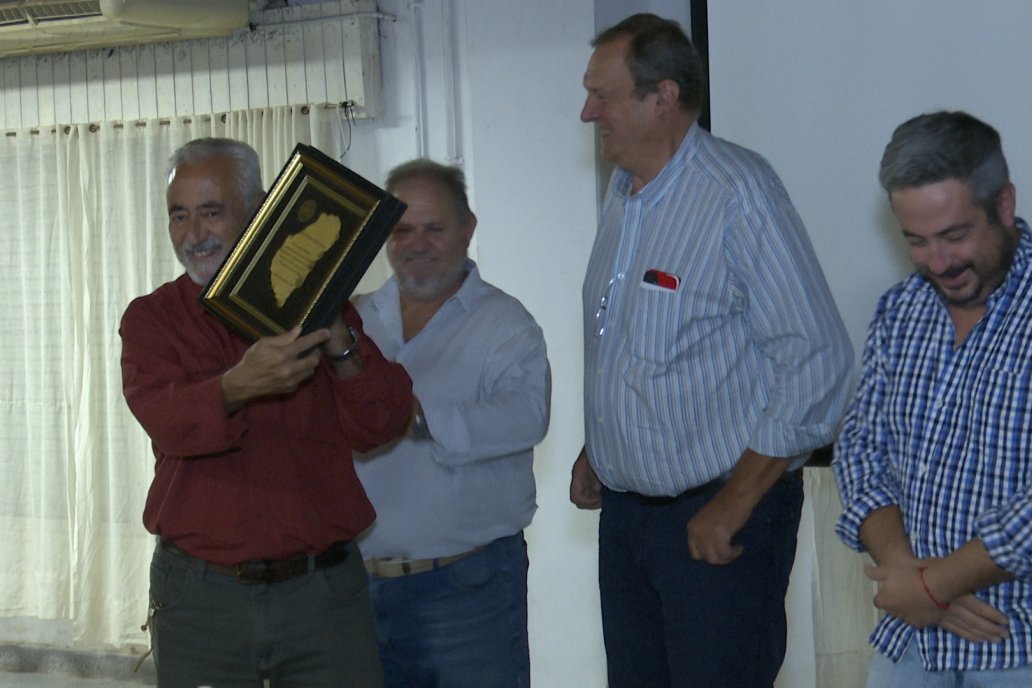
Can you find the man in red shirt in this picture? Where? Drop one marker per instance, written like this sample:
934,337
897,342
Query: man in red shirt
255,499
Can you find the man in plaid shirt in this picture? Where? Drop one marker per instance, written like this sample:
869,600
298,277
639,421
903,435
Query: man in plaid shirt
933,463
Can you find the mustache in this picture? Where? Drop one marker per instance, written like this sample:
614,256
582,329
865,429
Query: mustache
409,255
206,246
954,271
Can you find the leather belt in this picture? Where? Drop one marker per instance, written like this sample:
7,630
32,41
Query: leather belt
266,571
699,490
397,567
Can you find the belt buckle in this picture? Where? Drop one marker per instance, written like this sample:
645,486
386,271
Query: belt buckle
255,572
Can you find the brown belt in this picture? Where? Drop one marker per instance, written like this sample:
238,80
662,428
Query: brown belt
267,571
396,568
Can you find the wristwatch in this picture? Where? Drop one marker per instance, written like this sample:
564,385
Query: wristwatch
420,429
348,352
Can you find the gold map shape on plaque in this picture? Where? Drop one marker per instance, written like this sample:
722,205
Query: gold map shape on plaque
299,253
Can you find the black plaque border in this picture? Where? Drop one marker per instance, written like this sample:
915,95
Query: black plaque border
240,292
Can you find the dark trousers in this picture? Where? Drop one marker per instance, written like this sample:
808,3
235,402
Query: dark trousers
671,621
315,630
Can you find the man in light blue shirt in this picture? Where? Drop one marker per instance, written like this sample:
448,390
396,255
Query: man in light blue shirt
446,557
715,362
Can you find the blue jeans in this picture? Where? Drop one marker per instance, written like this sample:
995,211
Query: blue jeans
315,630
669,620
910,673
460,626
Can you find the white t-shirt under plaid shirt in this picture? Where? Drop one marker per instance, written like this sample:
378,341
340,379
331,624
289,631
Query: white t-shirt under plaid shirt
945,432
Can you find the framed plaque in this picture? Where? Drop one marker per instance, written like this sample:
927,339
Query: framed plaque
305,250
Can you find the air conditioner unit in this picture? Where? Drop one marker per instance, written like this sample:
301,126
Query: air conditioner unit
30,27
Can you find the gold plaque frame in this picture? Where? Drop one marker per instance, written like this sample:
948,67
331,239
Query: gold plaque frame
305,250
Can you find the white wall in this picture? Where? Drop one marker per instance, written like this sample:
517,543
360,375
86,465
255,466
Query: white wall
532,162
609,12
818,88
496,88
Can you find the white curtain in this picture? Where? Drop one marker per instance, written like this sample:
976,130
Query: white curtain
84,232
839,593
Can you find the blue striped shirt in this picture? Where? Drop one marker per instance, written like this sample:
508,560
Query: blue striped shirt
732,341
945,432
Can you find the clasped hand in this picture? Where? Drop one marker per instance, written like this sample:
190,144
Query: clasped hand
901,593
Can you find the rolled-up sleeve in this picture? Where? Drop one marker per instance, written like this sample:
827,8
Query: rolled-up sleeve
861,465
793,322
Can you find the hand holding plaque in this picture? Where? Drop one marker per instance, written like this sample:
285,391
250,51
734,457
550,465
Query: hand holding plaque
305,250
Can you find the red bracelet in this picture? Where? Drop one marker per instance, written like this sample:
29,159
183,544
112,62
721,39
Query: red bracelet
938,603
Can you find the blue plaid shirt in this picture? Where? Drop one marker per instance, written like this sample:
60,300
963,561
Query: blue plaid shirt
946,433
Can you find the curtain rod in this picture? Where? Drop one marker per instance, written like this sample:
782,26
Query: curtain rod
94,127
257,26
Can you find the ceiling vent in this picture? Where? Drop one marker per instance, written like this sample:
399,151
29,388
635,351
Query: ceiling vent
29,27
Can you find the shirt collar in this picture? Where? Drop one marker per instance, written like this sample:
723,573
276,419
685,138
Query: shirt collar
1018,267
470,287
1024,252
656,188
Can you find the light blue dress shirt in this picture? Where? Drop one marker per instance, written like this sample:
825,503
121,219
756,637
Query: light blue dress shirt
480,371
708,325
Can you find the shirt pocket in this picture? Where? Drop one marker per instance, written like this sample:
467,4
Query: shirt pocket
1003,426
666,324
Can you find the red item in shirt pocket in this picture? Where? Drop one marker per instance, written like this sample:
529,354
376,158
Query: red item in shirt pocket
661,279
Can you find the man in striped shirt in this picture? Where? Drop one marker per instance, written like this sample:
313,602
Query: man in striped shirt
715,361
934,459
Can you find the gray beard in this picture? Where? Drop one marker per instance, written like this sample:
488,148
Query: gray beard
431,288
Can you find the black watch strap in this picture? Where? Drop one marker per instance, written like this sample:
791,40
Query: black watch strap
347,353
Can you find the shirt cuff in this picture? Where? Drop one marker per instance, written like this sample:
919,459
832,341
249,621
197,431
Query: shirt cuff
1006,532
775,438
855,513
449,429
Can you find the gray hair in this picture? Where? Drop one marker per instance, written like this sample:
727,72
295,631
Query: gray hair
938,146
660,50
450,177
248,176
